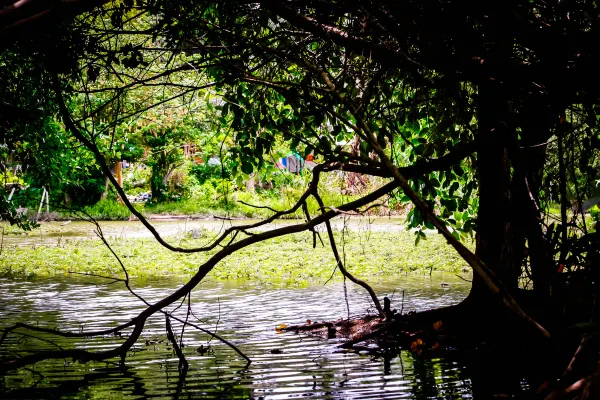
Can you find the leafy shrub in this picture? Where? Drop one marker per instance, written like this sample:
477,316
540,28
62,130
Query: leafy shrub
205,172
137,176
86,191
107,209
595,213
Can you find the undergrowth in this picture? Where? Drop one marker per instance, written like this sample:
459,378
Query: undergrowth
108,210
216,197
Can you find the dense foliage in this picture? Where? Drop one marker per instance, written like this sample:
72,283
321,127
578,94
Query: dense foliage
356,85
483,116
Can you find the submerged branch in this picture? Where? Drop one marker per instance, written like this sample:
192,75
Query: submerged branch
75,354
338,260
183,363
214,335
66,334
139,321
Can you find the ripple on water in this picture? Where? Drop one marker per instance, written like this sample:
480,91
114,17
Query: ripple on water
304,367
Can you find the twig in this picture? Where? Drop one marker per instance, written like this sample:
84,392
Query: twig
345,227
402,306
180,304
260,207
183,364
112,278
331,276
314,232
100,235
346,299
40,339
218,320
214,335
187,316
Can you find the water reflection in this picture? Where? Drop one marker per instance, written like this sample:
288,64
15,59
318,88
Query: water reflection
244,313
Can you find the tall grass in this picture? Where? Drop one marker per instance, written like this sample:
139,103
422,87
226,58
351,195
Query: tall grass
108,209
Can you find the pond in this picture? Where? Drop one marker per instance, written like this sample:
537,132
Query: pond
284,365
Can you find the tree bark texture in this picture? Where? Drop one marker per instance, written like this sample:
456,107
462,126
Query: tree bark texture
499,238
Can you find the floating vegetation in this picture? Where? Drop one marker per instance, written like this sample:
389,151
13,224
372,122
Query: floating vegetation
288,260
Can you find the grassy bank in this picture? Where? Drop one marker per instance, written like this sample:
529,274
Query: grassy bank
236,205
243,204
214,198
284,260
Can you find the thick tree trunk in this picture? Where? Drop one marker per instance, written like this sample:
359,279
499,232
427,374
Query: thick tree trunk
537,126
509,219
499,237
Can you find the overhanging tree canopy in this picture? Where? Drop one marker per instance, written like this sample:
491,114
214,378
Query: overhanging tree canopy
456,104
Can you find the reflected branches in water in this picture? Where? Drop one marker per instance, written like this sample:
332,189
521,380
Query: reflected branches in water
245,311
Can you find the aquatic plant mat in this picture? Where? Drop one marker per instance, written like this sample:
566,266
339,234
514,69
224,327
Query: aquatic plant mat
283,260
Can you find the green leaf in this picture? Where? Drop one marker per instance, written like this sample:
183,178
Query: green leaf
247,167
450,204
239,180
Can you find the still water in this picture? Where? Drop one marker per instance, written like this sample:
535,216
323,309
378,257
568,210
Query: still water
284,365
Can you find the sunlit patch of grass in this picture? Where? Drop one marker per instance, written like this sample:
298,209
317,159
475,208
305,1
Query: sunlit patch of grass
243,204
287,260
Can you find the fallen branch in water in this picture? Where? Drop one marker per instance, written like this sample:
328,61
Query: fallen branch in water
139,321
219,338
183,363
229,236
338,260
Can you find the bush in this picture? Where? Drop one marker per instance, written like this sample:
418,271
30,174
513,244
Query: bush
205,172
86,192
107,209
136,178
595,213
